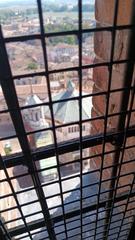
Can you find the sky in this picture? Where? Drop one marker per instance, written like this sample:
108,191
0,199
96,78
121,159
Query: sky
11,3
6,1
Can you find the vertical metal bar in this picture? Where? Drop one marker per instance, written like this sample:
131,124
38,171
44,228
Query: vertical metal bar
131,235
121,140
4,235
24,144
129,77
80,108
116,4
15,196
43,41
12,102
122,156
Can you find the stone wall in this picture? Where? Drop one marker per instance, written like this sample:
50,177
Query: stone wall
104,10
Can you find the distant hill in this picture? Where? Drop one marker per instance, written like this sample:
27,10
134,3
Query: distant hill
74,1
12,3
31,3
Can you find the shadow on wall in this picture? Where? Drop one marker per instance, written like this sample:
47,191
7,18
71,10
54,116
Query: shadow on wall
26,181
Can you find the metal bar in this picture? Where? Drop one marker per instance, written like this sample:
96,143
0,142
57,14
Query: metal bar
116,4
15,197
121,125
70,69
80,108
73,228
117,138
51,106
65,124
63,164
124,144
68,191
12,101
67,146
40,223
69,99
131,235
4,234
65,33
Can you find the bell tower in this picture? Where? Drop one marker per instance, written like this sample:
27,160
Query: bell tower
34,118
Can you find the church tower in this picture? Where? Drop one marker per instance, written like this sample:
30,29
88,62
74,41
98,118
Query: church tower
34,118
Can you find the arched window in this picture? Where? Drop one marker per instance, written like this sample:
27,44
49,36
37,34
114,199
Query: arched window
36,116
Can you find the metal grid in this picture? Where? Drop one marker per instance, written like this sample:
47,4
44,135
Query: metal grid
115,222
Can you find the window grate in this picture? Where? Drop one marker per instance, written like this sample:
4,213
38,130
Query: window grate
84,216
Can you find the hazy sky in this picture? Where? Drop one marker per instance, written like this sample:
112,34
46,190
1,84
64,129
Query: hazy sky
8,3
3,1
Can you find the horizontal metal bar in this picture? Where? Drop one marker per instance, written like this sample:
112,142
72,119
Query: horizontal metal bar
98,227
65,147
70,69
74,161
101,93
40,223
68,203
72,145
102,117
65,33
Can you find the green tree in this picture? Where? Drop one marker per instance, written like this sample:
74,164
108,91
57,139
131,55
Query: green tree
32,66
